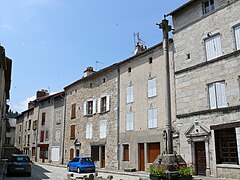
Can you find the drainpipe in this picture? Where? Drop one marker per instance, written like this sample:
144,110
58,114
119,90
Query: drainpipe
63,129
36,150
118,116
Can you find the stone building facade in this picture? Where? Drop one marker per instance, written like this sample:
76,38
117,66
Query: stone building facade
5,83
207,76
142,107
91,122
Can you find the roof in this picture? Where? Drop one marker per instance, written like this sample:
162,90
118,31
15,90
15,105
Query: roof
115,66
181,7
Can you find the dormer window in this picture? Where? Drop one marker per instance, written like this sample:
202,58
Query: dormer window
208,6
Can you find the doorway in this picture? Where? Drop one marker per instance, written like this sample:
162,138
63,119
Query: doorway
103,157
141,157
200,158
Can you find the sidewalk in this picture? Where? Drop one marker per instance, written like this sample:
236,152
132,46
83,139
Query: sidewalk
2,169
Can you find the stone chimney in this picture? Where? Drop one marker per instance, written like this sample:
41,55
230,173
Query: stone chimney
42,93
139,48
88,71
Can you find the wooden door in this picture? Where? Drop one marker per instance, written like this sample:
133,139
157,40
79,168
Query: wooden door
153,151
103,157
141,157
71,153
200,158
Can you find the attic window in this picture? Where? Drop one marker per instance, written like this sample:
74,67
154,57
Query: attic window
90,85
188,56
150,60
104,80
129,69
208,6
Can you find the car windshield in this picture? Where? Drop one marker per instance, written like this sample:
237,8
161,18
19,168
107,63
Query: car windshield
20,159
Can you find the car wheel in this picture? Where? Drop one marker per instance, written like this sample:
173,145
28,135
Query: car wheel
78,170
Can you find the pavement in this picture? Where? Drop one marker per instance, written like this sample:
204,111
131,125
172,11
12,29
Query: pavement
2,169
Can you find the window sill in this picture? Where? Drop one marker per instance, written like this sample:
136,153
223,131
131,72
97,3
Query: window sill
103,112
235,166
72,138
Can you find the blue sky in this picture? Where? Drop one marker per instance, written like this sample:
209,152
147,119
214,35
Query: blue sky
51,42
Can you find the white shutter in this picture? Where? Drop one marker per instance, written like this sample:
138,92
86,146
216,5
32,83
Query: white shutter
85,108
212,96
129,121
221,94
90,130
154,118
237,37
87,131
107,103
128,94
154,89
213,47
94,106
150,118
103,129
99,105
131,94
149,88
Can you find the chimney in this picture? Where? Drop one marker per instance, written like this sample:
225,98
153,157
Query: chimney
139,48
42,93
88,71
31,104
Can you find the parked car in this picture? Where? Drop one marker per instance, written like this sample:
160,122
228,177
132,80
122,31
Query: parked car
81,164
19,163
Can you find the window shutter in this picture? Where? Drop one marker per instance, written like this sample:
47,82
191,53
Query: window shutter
103,129
128,94
237,37
131,94
108,103
154,89
150,118
87,131
85,108
94,106
213,47
221,94
99,105
90,130
212,96
149,88
154,118
131,121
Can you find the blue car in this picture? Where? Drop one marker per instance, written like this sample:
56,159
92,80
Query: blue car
81,164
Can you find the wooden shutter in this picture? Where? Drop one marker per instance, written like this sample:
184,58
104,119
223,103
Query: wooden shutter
212,96
46,136
108,103
42,136
237,36
213,47
221,94
73,112
72,135
43,118
125,152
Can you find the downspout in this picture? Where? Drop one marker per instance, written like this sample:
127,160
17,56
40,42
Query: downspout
36,155
63,129
118,116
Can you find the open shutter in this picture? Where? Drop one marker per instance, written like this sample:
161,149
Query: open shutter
221,94
85,108
212,96
237,37
94,106
108,103
99,105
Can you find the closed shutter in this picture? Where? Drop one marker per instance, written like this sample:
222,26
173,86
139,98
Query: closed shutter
103,129
129,94
150,117
212,96
89,131
129,121
152,90
213,47
73,113
99,105
154,118
237,37
108,103
221,94
41,136
149,88
125,152
72,135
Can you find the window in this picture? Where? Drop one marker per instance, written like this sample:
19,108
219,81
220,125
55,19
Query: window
129,92
34,125
72,132
103,129
42,136
213,47
29,124
208,6
20,127
89,130
152,91
95,153
129,121
125,152
152,118
43,118
129,69
103,104
7,140
46,136
89,107
57,135
58,116
237,36
25,125
150,60
73,111
188,56
226,146
28,139
19,139
217,95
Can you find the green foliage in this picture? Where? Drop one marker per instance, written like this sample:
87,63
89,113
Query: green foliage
157,171
184,170
12,114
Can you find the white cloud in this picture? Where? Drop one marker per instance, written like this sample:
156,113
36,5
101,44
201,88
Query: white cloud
23,105
6,25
